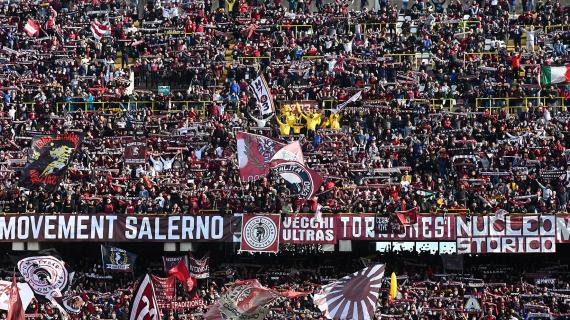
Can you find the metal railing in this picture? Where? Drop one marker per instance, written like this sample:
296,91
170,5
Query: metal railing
516,104
297,27
417,58
115,106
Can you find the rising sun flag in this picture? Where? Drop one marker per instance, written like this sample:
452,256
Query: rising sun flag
352,297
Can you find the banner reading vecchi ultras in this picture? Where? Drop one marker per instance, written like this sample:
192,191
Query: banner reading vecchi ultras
48,161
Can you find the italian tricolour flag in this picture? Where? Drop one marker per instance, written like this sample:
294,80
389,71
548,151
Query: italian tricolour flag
552,75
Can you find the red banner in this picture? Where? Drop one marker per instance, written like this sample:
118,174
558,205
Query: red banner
260,233
511,234
164,288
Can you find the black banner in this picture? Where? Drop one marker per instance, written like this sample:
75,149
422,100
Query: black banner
48,161
117,259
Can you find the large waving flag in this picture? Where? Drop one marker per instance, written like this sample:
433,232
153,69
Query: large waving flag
99,30
300,180
180,271
553,75
290,152
254,154
144,305
352,297
48,276
25,292
117,259
247,299
32,28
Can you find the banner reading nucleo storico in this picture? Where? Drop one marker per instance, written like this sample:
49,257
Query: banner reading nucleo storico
511,234
115,228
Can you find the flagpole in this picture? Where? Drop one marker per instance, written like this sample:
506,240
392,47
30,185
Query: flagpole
103,266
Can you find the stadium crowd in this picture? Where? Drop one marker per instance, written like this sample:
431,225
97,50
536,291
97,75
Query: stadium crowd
425,291
452,115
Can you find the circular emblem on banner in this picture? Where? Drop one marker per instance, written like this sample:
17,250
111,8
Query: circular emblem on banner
297,178
260,233
73,304
46,275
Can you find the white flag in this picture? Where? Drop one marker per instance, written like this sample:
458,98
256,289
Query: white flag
261,90
355,97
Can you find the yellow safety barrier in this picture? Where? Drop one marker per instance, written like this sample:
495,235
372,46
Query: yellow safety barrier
557,27
329,104
373,25
442,104
514,104
418,56
311,57
116,106
467,23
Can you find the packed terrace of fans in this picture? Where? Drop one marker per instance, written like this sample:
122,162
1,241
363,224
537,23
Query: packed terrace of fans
453,114
425,291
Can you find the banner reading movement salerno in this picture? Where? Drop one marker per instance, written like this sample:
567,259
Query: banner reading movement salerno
294,229
115,228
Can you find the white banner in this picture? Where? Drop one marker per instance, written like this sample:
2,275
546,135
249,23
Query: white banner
261,91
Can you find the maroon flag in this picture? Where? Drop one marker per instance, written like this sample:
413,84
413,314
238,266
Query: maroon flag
254,154
408,217
15,307
199,268
352,297
165,289
144,305
247,299
135,152
260,233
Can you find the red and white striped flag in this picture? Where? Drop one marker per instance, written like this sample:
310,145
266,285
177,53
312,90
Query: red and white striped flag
352,297
144,305
99,30
32,28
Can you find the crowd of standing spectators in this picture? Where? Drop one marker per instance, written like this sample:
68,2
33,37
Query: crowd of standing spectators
453,115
